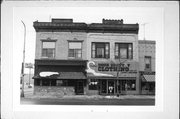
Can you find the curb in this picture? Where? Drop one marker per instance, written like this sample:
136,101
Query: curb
91,97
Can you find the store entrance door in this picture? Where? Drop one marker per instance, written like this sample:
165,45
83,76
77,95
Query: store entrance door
79,88
111,87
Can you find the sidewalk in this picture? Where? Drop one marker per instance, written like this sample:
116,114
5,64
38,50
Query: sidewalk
29,94
93,97
111,97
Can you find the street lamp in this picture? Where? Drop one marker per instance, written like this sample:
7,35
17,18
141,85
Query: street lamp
22,71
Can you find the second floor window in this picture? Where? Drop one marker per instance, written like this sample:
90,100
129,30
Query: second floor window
48,49
147,62
123,50
75,50
100,50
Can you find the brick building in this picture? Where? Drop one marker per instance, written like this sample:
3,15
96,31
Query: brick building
112,52
147,66
91,59
60,60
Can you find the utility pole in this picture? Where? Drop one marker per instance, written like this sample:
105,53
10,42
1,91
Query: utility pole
144,24
49,18
22,71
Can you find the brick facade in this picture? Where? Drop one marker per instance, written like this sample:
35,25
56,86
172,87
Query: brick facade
147,48
53,91
63,31
62,38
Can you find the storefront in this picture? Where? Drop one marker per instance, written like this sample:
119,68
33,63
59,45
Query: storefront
59,77
109,78
148,84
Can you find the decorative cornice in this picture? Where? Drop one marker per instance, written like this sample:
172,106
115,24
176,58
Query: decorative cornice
146,42
60,62
49,40
106,27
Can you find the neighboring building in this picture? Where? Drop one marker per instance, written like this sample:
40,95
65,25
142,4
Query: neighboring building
91,59
60,60
113,46
147,66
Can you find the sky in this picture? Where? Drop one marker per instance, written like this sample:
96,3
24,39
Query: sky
151,16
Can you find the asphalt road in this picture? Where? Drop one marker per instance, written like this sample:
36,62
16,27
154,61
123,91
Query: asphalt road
88,101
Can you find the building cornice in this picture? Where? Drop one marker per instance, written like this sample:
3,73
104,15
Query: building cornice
146,42
83,27
49,62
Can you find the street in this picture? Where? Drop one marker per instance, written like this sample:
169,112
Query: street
45,101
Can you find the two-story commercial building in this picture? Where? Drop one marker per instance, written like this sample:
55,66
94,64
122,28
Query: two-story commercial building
60,60
112,53
91,59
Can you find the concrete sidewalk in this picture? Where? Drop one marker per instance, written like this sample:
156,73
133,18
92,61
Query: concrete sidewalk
93,97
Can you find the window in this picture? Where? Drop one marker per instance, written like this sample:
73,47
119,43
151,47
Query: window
130,85
148,86
61,83
93,84
123,50
100,50
48,49
46,82
37,82
75,50
53,82
127,85
147,63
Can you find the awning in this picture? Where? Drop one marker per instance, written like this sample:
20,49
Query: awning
148,78
63,75
72,75
113,78
91,76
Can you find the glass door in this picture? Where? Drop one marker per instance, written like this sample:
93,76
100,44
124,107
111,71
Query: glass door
111,87
79,88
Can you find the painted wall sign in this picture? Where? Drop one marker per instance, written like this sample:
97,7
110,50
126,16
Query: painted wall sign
128,69
92,70
113,67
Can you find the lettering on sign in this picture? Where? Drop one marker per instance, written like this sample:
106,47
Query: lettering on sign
28,65
115,67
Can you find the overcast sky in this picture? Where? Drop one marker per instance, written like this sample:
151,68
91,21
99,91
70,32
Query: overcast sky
131,15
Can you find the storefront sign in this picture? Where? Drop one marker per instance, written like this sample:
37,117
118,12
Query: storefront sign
111,68
28,65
